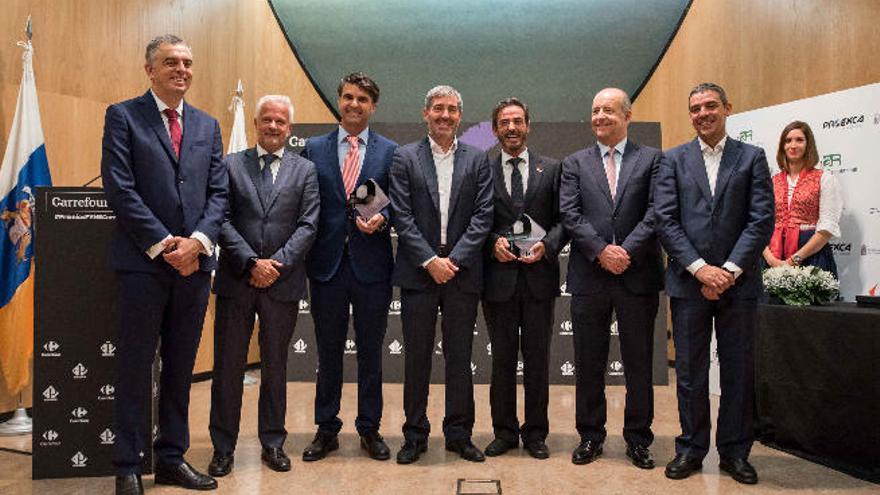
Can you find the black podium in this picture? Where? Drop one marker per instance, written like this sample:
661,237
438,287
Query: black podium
74,334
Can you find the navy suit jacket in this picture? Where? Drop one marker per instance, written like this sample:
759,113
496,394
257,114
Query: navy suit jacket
153,193
372,258
281,227
542,205
594,220
734,224
415,203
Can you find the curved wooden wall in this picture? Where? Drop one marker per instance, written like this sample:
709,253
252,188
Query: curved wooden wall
89,54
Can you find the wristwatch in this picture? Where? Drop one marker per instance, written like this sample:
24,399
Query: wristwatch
797,259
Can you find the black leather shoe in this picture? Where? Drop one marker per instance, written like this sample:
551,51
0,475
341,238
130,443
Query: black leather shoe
586,452
375,446
323,444
466,449
538,449
129,484
411,451
183,475
221,464
500,446
682,466
276,459
640,456
740,470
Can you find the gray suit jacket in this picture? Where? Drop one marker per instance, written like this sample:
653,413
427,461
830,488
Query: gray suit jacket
281,227
594,220
415,206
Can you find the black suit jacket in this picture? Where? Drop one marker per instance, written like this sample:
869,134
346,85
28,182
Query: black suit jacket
415,206
593,220
281,227
542,205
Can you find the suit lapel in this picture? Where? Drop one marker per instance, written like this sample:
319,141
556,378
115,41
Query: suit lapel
189,126
284,170
252,167
331,150
698,169
536,176
630,159
458,167
150,112
729,159
429,170
369,158
597,170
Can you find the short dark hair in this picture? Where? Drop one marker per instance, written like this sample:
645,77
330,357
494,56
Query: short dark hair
707,86
811,154
155,43
507,102
362,81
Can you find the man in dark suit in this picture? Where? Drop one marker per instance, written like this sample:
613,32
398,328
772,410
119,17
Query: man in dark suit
607,209
271,223
714,205
350,265
521,287
165,180
441,197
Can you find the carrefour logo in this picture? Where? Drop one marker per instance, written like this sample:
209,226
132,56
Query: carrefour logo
394,307
473,368
563,290
566,328
79,460
108,349
79,415
51,349
616,368
439,348
107,437
350,347
565,251
300,346
79,371
519,368
107,392
303,307
844,122
395,347
51,394
50,438
567,369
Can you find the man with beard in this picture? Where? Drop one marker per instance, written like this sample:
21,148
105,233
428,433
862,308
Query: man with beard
263,245
164,177
441,197
350,266
614,267
521,287
714,204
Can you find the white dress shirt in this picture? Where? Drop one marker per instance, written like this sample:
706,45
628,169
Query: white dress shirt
444,163
523,167
618,158
276,164
342,146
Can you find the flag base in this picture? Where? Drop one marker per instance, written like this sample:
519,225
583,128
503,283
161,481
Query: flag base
19,424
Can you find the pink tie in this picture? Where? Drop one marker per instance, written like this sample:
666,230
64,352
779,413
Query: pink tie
611,173
351,167
174,129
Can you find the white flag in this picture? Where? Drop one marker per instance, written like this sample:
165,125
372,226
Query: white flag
238,137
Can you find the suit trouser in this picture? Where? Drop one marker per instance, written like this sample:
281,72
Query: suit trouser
591,321
330,311
167,309
520,323
233,326
735,321
419,320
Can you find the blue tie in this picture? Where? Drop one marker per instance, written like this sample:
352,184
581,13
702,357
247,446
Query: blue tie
266,177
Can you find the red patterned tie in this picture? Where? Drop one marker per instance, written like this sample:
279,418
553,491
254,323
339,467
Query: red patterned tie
174,129
611,173
351,166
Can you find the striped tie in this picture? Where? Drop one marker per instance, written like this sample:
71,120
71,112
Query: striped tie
351,166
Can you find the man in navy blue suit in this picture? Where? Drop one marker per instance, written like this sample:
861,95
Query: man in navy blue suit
164,177
441,195
350,264
714,207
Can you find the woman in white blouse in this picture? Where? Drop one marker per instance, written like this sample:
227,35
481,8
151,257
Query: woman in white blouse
808,204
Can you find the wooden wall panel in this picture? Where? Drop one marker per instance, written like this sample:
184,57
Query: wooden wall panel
763,52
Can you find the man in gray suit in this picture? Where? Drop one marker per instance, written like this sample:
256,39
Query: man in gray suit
441,201
271,223
606,203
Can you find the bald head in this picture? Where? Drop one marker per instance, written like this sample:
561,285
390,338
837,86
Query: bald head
611,114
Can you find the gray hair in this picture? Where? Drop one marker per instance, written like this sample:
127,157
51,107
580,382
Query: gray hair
155,43
439,92
283,99
707,86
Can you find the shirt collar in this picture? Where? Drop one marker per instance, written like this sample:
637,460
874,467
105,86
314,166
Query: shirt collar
719,148
343,134
437,150
620,146
524,156
261,152
162,106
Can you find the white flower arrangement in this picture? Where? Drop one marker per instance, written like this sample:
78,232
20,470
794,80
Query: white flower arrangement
801,285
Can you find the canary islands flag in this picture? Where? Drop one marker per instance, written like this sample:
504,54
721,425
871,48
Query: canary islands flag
24,168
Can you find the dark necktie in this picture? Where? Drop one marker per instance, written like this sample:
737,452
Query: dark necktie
266,177
516,184
174,129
